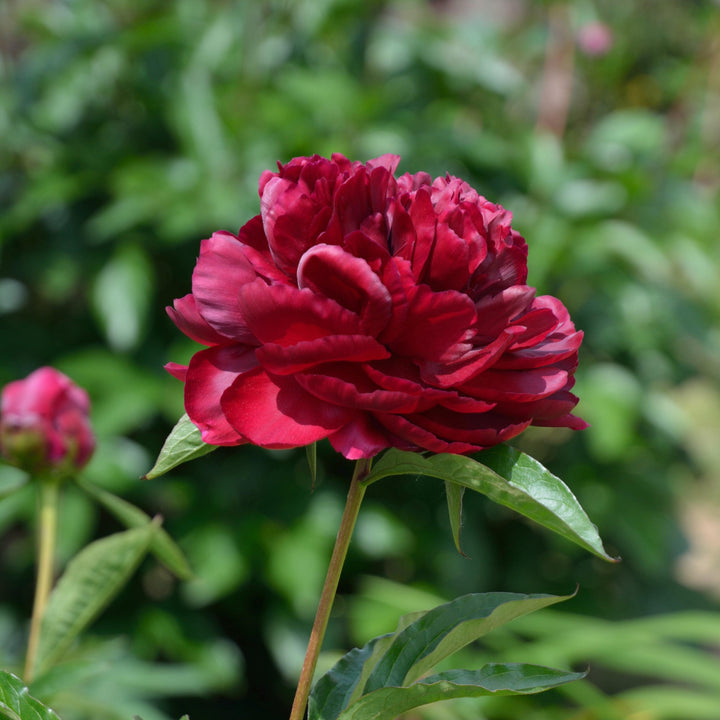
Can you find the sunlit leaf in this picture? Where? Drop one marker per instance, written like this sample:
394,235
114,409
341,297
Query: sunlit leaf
507,477
182,444
421,641
492,679
16,703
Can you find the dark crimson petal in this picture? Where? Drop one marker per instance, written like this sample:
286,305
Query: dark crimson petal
221,269
176,370
362,438
256,250
285,315
424,220
287,215
547,411
494,312
329,271
448,269
435,323
417,437
185,315
209,375
549,352
275,412
397,278
515,385
348,386
472,363
285,360
481,430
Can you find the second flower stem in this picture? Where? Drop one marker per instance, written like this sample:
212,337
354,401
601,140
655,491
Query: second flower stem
49,489
347,524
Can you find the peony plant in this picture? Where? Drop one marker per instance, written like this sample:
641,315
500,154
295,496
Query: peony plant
392,317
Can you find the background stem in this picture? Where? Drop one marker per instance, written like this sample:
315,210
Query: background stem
49,490
347,524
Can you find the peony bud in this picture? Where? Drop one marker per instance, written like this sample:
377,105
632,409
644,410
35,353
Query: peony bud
44,424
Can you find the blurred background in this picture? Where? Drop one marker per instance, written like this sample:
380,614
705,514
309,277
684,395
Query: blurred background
130,131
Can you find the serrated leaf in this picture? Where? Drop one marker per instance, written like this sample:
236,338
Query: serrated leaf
492,679
16,703
90,582
510,478
163,546
182,444
421,641
454,495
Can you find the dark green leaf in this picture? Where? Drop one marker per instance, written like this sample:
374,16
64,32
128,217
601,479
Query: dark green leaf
421,641
492,679
16,703
89,583
507,477
163,546
182,444
454,494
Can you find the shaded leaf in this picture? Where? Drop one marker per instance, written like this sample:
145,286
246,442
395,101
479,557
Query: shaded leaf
508,477
311,452
182,444
454,494
163,546
90,582
16,703
492,679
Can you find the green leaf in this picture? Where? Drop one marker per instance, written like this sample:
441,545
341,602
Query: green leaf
90,582
163,546
311,451
454,494
492,679
510,478
16,703
182,444
421,641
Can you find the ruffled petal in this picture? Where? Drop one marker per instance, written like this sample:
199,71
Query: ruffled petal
209,374
185,315
275,412
362,438
286,315
221,269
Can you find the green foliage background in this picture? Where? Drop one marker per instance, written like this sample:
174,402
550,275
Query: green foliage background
130,131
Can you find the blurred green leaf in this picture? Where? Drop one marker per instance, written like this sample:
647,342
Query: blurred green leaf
89,583
121,296
454,495
16,703
184,443
163,546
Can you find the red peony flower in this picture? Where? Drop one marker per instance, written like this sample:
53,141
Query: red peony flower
373,311
44,425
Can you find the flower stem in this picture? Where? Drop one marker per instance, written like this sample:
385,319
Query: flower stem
49,489
347,524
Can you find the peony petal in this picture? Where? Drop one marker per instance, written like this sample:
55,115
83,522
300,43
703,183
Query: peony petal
495,312
209,374
329,271
275,412
221,269
176,370
348,386
185,315
285,315
418,438
435,323
515,385
285,360
362,438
